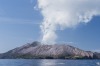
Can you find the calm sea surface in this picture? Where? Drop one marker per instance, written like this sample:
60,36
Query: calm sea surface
45,62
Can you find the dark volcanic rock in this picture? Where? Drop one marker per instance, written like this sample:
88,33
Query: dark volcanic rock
96,55
38,50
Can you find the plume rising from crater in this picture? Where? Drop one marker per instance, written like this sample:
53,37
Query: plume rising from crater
61,14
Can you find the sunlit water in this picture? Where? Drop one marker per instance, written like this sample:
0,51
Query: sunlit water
48,62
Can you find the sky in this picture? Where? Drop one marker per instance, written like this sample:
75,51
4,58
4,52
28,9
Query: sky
21,21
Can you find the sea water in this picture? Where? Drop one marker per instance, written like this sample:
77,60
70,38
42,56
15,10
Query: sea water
48,62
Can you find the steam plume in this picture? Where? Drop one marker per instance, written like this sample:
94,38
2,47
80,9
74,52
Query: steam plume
65,14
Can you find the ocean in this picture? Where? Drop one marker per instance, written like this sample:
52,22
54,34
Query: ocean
48,62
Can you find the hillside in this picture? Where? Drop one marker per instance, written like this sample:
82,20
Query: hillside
37,50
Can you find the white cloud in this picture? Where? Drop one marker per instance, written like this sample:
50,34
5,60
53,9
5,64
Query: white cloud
96,50
65,14
6,20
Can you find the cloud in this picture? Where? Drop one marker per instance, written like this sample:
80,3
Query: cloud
6,20
96,50
65,14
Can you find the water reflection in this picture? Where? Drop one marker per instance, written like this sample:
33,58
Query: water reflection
48,62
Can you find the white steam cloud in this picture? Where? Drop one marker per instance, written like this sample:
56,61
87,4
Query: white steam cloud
65,14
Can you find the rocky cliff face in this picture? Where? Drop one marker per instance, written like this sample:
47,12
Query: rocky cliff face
38,50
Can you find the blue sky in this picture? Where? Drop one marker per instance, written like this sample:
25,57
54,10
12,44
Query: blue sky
20,24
